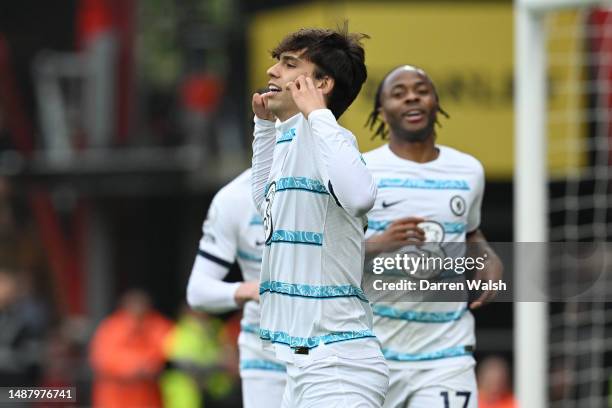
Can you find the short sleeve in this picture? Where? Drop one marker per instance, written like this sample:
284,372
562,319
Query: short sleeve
473,219
220,231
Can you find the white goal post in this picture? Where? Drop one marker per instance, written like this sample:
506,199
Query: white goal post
531,190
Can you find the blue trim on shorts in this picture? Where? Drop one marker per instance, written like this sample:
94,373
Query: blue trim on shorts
435,355
312,291
312,342
265,365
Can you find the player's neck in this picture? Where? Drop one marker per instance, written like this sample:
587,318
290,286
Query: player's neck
420,152
285,115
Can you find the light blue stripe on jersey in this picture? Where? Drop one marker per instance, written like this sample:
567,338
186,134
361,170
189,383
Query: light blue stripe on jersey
449,227
445,353
300,183
247,256
296,237
286,136
256,220
378,225
249,328
424,184
262,365
416,316
454,227
311,291
311,342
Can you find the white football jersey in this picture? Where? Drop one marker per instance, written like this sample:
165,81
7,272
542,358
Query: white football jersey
446,192
313,260
233,232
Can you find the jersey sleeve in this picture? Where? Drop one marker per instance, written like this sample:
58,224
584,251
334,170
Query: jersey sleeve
264,140
473,218
220,232
216,254
342,167
206,289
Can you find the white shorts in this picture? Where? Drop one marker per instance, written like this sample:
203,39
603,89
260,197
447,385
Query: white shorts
452,386
265,391
336,382
263,376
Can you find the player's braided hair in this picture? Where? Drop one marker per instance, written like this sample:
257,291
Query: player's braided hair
376,124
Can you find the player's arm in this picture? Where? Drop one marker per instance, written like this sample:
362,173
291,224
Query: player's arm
402,232
206,289
349,181
478,246
264,141
493,268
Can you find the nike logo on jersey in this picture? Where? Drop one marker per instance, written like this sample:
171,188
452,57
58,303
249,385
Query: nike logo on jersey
385,204
260,243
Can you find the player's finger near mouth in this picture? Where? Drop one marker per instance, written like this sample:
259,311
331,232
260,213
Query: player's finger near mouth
262,93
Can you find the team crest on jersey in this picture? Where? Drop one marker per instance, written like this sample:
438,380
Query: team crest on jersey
457,205
432,248
267,221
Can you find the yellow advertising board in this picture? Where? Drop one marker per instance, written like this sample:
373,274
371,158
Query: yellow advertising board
466,48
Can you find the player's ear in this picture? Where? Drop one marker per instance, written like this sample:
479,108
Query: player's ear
326,84
382,115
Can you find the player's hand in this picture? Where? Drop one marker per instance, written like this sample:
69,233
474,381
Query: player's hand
247,291
260,106
402,232
306,95
493,271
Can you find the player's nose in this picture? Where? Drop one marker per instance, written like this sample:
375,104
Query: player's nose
412,96
273,71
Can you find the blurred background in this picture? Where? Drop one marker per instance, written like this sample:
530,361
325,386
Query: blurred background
120,119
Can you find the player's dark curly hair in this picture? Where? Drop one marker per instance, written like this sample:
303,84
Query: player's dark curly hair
335,53
376,124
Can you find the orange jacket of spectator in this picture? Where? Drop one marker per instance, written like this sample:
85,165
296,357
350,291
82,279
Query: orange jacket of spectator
127,356
507,401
